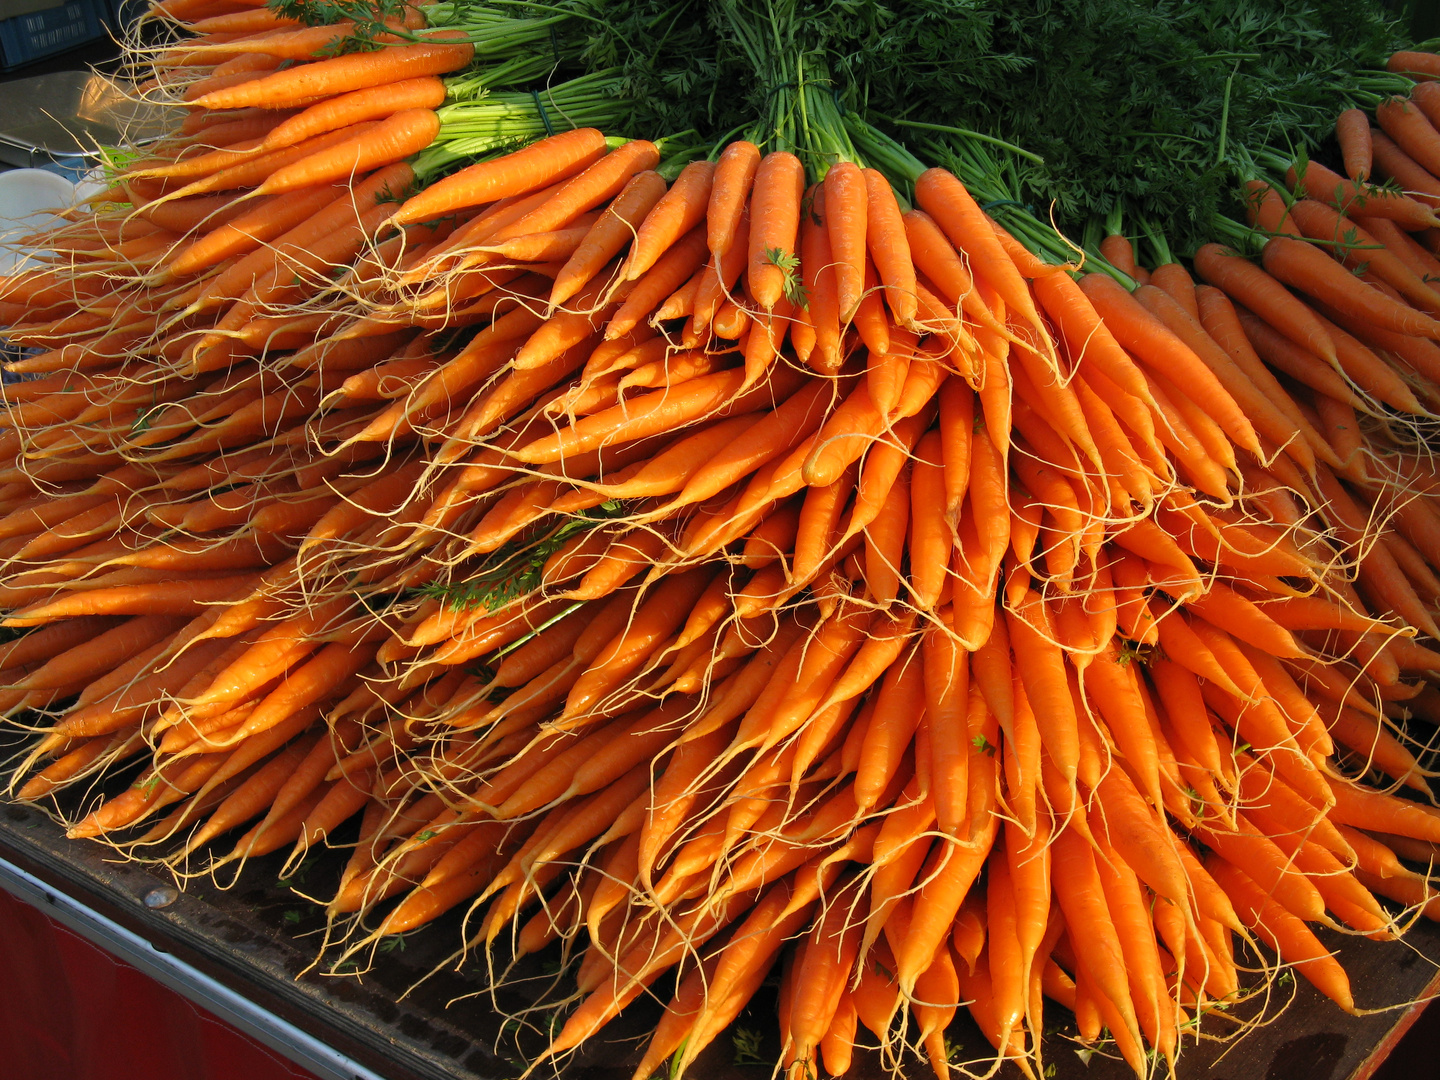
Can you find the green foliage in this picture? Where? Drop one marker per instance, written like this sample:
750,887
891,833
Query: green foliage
1146,112
1152,108
328,12
748,1045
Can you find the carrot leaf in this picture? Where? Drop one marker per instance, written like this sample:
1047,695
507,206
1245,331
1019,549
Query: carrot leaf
789,265
747,1047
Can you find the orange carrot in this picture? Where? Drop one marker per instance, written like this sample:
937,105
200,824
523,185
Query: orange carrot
885,239
1118,251
371,103
677,212
1308,269
537,166
1327,186
404,133
945,199
729,194
1284,933
774,225
609,235
1148,338
1392,162
1247,284
1352,131
342,74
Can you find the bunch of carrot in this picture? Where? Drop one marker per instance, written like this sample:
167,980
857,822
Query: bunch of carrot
682,570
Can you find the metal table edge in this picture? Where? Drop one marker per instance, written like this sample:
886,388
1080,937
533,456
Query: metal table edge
278,1034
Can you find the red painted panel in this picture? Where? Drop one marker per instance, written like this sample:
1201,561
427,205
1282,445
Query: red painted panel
71,1011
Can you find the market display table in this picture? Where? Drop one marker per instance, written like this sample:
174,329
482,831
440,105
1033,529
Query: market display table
246,953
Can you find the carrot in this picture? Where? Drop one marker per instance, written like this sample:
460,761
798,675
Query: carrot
1268,210
1221,322
670,272
1307,269
821,969
254,795
537,166
343,74
103,652
1398,243
1040,664
1417,65
1379,573
247,231
1135,926
197,166
297,245
952,870
371,103
945,199
302,42
1314,613
1247,284
404,133
249,21
1081,894
929,539
896,716
159,598
1283,932
1149,339
252,170
844,195
1118,251
734,176
596,184
1265,415
156,788
41,645
309,682
678,211
78,761
774,226
1394,163
1412,131
609,235
1175,281
645,415
889,248
655,620
1086,335
1327,186
1352,131
1295,360
947,701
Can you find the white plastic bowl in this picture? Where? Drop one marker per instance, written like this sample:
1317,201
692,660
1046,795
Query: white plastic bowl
28,201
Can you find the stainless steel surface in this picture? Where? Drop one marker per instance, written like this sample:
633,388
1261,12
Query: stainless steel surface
69,114
284,1038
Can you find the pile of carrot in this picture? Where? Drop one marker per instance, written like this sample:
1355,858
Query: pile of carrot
739,574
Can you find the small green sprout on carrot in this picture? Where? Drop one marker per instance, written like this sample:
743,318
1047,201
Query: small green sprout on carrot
789,265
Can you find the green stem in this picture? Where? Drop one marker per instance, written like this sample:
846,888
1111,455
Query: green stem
967,133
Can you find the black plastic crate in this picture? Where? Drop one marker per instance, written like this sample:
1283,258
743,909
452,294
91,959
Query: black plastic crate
26,38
